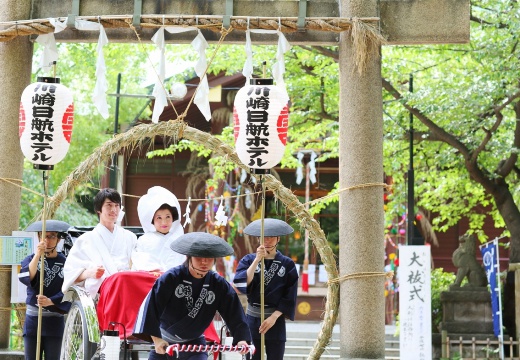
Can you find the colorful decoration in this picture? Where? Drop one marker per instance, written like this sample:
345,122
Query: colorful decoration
261,119
45,122
217,223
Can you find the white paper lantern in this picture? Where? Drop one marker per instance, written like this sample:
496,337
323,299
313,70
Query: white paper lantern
178,91
261,118
45,122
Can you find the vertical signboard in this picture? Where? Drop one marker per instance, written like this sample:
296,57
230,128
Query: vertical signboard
415,319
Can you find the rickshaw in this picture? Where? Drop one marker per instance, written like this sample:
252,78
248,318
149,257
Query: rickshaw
82,338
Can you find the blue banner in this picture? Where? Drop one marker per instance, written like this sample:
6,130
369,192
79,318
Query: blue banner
490,260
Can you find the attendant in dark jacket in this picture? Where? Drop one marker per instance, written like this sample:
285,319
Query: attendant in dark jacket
184,300
53,309
280,288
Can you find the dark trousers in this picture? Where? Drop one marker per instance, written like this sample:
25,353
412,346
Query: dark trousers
274,350
49,345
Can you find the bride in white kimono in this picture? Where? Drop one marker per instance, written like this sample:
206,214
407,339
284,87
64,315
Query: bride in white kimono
103,251
159,213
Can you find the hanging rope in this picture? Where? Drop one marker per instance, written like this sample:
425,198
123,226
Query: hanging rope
14,29
359,275
315,201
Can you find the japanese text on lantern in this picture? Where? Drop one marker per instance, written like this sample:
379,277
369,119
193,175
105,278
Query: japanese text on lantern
42,126
257,128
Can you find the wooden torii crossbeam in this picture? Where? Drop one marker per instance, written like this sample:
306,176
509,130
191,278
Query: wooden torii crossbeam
305,22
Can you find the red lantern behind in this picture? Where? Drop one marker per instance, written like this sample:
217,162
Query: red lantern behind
261,119
45,122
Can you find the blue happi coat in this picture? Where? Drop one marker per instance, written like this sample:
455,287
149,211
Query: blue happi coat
280,290
180,307
52,321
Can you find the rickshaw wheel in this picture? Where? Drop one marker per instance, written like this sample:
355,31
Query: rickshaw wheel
75,344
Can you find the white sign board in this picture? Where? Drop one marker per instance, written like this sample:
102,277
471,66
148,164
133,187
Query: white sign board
18,290
415,318
13,249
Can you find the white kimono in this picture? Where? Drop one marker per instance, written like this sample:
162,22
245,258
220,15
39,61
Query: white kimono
99,247
152,251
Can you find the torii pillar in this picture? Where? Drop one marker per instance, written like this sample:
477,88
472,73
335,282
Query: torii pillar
15,63
361,215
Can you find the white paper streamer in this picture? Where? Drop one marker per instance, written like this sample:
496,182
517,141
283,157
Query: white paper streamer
158,90
199,44
99,97
248,199
59,26
278,68
322,274
311,269
202,96
121,215
86,25
299,169
247,71
50,51
312,167
187,213
220,216
243,176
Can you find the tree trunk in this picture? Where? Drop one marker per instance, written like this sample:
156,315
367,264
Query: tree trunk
511,215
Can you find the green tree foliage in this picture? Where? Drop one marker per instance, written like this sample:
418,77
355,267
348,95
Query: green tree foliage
440,281
466,138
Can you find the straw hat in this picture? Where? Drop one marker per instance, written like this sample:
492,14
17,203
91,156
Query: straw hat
201,244
272,227
50,225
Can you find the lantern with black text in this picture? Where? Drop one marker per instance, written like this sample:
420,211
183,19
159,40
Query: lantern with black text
261,118
45,122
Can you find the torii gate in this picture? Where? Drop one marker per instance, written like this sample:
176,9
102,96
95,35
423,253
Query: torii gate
361,216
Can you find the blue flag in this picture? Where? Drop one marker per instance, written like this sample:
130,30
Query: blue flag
490,260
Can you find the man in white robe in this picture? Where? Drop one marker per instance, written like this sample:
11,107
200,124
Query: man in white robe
102,252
